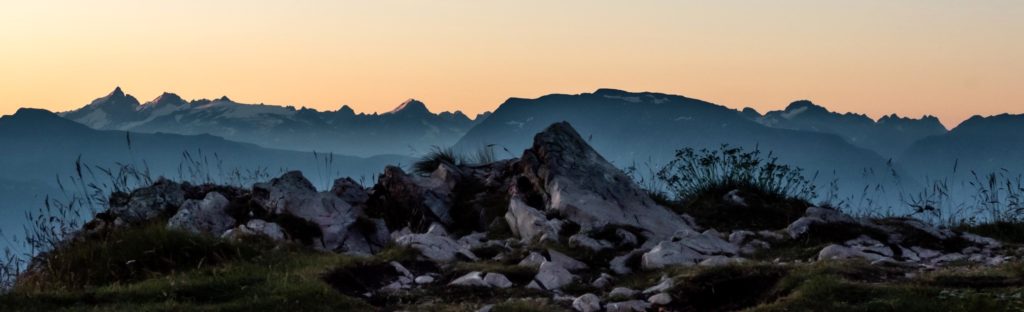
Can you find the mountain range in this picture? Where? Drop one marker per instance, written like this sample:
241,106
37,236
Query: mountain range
408,129
628,128
43,147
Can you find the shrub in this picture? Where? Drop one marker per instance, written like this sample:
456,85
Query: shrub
695,172
772,194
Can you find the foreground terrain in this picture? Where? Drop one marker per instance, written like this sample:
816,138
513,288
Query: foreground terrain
558,228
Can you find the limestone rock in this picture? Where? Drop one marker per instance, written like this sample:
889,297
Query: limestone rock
587,303
203,216
149,202
573,179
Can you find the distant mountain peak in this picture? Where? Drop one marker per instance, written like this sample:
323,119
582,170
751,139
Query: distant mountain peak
805,105
116,100
223,99
168,98
411,107
34,119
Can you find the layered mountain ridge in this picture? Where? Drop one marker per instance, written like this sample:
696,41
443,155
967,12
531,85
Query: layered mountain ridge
409,129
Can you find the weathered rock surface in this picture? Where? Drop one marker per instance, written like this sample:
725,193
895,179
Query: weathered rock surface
203,216
587,303
148,203
569,177
293,195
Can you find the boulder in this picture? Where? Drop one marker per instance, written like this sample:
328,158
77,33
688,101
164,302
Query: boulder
551,276
623,292
527,222
291,194
587,303
479,279
203,216
497,280
350,191
147,203
565,261
414,201
257,227
568,176
434,247
840,252
627,306
660,299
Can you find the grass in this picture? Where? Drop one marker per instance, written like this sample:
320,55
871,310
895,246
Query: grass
275,280
130,255
839,286
1005,231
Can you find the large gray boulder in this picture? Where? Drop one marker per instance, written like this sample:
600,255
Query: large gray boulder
575,181
527,222
148,203
291,194
415,201
207,216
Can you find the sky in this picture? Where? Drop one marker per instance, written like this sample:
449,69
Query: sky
951,59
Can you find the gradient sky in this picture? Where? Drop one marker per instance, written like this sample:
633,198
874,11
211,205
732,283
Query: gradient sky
947,58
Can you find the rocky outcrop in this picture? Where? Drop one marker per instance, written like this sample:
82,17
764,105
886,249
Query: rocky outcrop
203,216
160,199
293,195
563,174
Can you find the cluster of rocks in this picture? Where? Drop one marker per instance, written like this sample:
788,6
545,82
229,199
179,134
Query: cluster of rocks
560,193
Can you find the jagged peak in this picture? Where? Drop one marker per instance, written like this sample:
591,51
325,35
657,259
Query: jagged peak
805,105
347,110
223,99
410,106
116,98
167,98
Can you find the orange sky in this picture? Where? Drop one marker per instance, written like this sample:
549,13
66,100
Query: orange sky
948,58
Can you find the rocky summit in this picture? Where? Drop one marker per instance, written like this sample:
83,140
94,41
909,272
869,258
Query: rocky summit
559,228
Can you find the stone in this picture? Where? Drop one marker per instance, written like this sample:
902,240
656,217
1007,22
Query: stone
293,195
584,241
497,280
587,303
573,179
424,279
350,191
668,253
471,279
533,260
664,285
433,247
733,197
415,201
551,276
527,222
602,281
149,202
740,236
627,306
257,227
660,299
622,292
840,252
618,264
565,261
203,216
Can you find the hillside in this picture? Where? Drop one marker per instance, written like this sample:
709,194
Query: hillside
647,128
556,228
47,148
